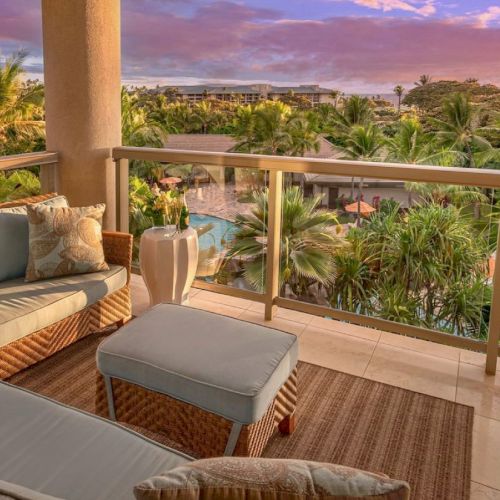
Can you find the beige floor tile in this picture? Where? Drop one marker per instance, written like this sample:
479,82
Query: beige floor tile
413,370
423,346
475,358
278,323
335,350
257,307
347,328
486,452
477,389
208,305
481,492
220,298
297,316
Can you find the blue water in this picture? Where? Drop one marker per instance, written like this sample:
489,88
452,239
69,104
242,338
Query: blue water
222,230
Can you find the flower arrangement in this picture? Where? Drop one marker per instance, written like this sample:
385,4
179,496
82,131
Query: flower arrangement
169,207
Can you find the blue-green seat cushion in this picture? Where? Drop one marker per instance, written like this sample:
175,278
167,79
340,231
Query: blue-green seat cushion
14,238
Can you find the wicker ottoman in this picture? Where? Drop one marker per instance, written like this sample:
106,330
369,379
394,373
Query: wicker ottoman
212,384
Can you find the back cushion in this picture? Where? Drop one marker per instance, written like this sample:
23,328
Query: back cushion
14,238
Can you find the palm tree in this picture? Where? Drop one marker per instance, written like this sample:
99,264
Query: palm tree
363,143
335,95
444,194
272,128
139,130
203,116
459,128
423,80
21,107
303,137
399,90
266,132
356,111
308,242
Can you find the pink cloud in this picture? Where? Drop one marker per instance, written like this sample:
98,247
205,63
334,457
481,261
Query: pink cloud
227,40
232,41
491,14
20,22
422,7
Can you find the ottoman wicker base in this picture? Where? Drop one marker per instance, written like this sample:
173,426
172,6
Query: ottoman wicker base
198,432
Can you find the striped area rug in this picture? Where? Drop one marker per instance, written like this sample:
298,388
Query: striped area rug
342,419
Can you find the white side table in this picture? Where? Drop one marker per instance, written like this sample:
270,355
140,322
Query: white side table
168,264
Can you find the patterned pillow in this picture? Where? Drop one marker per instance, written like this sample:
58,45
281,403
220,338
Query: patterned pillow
14,248
268,479
64,241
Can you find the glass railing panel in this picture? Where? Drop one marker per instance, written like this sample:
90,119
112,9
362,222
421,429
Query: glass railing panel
414,253
220,200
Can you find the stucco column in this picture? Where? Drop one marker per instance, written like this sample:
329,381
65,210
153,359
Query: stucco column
81,47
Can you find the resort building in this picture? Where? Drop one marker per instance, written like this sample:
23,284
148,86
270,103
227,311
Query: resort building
249,94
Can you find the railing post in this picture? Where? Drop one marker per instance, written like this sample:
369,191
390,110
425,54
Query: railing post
48,178
273,241
494,326
122,218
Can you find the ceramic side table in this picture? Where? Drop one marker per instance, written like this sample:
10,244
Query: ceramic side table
168,263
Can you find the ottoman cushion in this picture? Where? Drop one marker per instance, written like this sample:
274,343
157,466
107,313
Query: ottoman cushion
225,366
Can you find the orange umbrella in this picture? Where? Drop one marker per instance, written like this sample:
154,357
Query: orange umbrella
170,180
364,208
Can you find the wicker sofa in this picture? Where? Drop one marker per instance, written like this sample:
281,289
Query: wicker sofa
93,301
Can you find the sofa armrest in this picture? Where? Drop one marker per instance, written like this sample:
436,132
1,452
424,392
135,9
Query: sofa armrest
118,249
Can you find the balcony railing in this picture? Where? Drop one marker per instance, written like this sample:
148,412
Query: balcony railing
274,168
45,159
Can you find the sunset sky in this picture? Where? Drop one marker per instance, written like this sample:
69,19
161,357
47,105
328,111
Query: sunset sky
355,45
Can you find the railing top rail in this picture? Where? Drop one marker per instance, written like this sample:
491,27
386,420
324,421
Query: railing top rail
373,170
24,160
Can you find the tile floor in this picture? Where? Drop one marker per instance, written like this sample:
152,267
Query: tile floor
433,369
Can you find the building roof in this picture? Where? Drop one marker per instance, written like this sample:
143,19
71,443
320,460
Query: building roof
256,89
223,143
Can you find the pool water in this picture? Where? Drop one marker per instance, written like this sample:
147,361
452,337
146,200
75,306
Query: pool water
222,229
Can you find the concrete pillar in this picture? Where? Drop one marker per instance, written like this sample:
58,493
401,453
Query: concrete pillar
81,46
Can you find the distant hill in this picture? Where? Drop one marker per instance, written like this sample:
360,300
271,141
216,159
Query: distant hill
428,98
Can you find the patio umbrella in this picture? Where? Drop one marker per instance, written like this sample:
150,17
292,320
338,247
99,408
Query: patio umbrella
170,180
364,208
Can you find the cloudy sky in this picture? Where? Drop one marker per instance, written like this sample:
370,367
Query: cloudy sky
355,45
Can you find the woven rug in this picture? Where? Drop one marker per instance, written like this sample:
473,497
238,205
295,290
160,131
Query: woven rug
342,419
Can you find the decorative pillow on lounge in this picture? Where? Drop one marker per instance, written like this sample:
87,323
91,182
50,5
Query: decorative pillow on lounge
268,479
64,241
14,242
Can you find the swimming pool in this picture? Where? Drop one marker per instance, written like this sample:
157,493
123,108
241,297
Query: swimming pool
222,229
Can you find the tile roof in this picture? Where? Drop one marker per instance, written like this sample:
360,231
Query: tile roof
222,143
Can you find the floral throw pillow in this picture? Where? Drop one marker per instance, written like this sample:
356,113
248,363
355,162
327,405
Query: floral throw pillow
269,479
64,241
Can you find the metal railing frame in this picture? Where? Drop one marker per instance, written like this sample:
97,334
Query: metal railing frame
276,166
47,161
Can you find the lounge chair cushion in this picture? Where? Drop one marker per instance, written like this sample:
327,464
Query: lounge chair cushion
10,491
28,307
269,479
225,366
67,453
14,242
